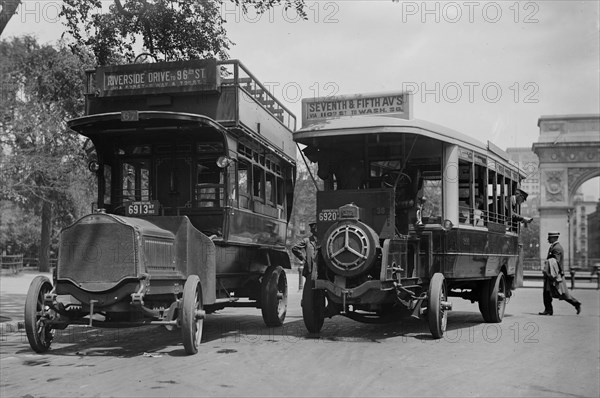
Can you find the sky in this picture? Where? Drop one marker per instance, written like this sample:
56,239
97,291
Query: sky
489,69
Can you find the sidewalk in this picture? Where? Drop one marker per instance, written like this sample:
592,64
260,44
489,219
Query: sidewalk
13,291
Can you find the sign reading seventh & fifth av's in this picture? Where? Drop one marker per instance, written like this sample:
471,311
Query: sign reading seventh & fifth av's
316,110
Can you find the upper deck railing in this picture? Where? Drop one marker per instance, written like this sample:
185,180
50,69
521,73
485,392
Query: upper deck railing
234,73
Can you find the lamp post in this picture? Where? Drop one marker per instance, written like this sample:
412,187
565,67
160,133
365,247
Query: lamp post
571,270
569,236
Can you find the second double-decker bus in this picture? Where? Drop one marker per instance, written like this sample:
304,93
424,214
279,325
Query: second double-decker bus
410,214
195,164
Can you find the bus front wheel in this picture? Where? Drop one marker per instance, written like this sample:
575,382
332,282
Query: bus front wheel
313,307
437,315
39,333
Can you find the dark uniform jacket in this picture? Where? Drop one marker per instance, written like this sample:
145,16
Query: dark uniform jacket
306,251
556,251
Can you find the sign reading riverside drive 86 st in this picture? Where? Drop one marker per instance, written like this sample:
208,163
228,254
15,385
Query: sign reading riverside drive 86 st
315,110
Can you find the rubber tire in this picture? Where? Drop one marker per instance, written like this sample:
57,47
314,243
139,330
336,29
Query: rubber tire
313,307
274,296
484,305
39,340
191,325
436,317
495,307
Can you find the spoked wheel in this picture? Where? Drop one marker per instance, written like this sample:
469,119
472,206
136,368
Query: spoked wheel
438,306
493,299
39,332
313,307
192,315
274,296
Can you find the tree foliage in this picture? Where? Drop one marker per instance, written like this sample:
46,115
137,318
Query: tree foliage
166,29
530,239
41,163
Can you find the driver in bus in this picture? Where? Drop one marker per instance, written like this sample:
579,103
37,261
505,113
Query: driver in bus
409,202
519,197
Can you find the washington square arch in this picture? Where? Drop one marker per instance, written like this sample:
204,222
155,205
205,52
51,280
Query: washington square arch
568,149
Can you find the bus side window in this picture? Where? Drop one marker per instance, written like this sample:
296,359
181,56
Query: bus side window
243,184
107,183
232,184
280,196
465,204
502,199
432,208
492,197
209,184
258,185
479,213
270,189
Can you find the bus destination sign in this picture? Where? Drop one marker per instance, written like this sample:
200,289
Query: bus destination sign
316,110
196,75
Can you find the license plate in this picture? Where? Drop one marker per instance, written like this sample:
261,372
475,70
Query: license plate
328,215
149,208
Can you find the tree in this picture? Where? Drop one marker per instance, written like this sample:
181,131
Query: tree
7,10
169,29
530,238
42,87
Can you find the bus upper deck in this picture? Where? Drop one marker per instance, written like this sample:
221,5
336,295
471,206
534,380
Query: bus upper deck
200,138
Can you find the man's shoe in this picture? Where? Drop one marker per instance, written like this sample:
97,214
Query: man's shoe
545,313
578,308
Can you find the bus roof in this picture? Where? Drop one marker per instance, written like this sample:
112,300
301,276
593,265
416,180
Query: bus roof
366,125
385,124
123,120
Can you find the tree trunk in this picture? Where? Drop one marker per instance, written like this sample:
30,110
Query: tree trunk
9,8
45,241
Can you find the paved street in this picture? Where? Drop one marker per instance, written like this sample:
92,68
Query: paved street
526,355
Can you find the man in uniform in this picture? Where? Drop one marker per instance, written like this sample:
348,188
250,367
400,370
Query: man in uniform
519,197
306,250
556,252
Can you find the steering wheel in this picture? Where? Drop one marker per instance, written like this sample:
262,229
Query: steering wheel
391,179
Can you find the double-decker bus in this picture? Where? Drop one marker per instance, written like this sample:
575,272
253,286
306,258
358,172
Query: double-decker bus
410,213
195,163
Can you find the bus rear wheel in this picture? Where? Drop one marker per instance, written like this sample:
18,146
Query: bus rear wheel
313,307
492,301
274,295
437,315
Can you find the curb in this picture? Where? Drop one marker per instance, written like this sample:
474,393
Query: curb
12,327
